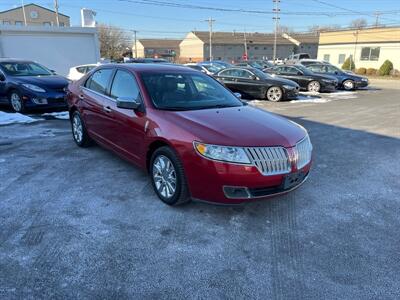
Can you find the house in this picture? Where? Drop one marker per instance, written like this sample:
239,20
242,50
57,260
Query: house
230,46
157,48
369,47
34,15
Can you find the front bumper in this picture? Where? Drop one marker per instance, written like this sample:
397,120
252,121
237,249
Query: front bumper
328,87
291,94
209,180
44,100
361,84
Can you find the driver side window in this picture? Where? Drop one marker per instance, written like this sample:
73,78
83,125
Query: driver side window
124,86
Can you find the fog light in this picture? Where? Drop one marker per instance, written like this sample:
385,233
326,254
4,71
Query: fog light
236,192
39,100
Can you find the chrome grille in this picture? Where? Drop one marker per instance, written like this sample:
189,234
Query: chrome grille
304,152
270,160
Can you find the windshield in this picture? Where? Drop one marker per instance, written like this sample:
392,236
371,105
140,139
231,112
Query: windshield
304,69
255,64
187,91
261,74
212,68
24,69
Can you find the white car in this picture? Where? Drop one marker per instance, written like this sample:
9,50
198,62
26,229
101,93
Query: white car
208,69
76,73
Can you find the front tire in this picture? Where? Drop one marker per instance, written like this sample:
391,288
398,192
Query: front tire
79,131
314,86
348,85
274,94
16,102
168,177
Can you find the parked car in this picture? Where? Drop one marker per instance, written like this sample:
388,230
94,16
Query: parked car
254,64
196,139
207,69
217,63
346,80
307,79
253,83
26,85
77,72
148,61
294,58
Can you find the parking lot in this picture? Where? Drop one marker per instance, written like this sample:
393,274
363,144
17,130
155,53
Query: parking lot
83,223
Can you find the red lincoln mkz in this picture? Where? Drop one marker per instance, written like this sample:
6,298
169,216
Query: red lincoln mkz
196,139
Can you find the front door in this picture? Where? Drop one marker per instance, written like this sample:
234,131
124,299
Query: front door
125,127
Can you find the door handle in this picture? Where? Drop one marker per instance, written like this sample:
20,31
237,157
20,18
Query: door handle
107,109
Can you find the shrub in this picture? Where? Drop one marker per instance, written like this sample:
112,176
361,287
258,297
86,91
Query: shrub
361,71
371,71
386,67
348,64
395,73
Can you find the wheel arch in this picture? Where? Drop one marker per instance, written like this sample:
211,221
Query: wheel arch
153,146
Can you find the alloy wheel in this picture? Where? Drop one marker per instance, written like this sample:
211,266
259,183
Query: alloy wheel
16,102
348,85
77,128
164,176
314,86
274,94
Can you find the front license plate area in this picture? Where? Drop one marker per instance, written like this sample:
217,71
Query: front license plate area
291,180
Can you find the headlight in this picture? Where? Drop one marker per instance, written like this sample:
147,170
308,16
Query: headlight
222,153
33,87
364,79
288,87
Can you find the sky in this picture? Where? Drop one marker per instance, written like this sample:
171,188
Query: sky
160,21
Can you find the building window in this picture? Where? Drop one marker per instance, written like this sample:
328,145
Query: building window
370,53
46,24
62,24
6,23
255,48
342,58
327,57
18,23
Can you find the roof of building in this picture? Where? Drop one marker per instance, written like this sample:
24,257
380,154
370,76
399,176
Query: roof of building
160,43
254,38
32,4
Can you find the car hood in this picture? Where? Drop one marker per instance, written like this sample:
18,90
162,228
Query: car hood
50,82
238,126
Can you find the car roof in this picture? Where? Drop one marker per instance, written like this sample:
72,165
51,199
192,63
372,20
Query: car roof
14,60
144,67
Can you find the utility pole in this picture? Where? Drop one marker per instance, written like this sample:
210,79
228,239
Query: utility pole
377,15
276,18
23,11
56,9
245,45
134,37
355,49
210,26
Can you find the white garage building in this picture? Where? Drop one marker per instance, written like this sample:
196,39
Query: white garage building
58,48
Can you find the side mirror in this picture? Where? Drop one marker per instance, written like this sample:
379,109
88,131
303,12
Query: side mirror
253,77
299,73
238,95
336,72
128,103
53,72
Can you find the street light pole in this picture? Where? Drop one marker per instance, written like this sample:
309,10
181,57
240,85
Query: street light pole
210,26
56,9
134,37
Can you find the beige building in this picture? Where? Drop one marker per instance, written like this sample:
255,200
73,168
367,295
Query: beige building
369,47
157,48
230,46
34,15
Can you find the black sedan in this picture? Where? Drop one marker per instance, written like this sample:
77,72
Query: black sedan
257,64
26,84
346,80
307,79
253,83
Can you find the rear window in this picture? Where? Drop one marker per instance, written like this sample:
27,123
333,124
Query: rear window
303,56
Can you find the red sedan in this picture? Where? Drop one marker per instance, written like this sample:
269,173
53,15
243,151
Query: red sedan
196,139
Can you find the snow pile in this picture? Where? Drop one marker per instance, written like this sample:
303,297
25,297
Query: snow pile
13,118
310,97
63,115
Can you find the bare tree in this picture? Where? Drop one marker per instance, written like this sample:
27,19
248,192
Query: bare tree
359,23
284,29
319,28
113,41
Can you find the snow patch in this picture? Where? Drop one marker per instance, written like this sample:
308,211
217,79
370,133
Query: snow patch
63,115
13,118
310,97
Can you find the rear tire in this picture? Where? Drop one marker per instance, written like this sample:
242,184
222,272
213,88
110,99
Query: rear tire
348,85
274,94
314,86
79,131
168,177
16,102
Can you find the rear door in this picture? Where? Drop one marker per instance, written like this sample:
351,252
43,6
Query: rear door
125,127
92,95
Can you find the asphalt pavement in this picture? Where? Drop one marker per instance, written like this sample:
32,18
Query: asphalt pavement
83,223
